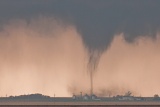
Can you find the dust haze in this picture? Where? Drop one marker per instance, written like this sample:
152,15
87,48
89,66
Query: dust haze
40,56
48,56
128,67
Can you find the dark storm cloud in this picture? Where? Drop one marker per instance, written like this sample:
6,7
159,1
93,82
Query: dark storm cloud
97,20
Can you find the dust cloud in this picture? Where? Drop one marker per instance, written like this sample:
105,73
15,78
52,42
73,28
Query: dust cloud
127,67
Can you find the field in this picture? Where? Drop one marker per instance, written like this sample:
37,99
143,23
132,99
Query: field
82,104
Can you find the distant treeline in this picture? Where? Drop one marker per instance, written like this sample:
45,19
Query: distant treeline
40,97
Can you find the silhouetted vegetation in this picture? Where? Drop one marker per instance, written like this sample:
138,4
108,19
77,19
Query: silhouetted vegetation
39,97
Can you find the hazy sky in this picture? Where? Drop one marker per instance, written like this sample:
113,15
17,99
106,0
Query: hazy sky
44,46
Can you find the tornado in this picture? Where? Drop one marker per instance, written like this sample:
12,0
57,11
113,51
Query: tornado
93,61
97,22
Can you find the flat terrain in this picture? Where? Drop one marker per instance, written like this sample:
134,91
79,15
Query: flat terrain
82,103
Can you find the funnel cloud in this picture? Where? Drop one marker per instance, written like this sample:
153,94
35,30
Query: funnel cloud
48,46
96,21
